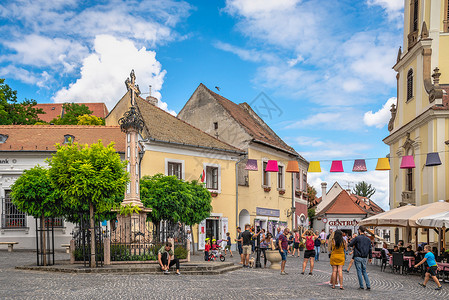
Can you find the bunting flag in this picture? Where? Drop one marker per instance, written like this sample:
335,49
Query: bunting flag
203,176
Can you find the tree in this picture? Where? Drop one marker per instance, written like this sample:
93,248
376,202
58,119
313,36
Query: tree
90,179
364,189
14,113
174,199
71,112
34,194
90,120
311,193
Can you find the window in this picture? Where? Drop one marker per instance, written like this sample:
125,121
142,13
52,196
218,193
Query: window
175,169
11,216
266,175
297,181
409,84
215,125
280,177
304,182
212,178
409,179
57,222
68,138
415,15
3,138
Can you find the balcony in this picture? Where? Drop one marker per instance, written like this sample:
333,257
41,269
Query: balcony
408,197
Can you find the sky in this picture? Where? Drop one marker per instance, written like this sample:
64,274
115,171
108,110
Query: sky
324,66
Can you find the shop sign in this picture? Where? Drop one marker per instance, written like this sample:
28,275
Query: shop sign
343,223
267,212
4,161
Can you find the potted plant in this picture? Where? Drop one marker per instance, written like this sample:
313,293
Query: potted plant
281,192
214,194
267,189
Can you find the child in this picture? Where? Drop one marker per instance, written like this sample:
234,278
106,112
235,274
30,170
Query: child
228,244
432,267
214,248
206,250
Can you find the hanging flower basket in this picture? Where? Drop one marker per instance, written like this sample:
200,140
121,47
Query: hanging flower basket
298,193
214,194
281,192
267,189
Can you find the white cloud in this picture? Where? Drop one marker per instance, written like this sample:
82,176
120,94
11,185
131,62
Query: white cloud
41,51
392,7
342,119
381,117
378,179
25,76
244,54
103,72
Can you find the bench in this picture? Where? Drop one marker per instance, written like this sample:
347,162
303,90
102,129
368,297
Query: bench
10,245
67,247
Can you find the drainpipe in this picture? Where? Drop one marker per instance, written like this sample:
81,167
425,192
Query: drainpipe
237,190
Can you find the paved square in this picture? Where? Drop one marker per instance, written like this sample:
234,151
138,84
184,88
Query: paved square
240,284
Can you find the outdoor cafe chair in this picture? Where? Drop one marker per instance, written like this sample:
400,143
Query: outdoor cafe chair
384,259
398,262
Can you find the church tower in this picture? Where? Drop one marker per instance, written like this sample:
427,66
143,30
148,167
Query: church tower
419,121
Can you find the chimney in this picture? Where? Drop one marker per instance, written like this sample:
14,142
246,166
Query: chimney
152,100
323,191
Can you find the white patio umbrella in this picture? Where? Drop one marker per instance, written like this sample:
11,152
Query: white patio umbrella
438,220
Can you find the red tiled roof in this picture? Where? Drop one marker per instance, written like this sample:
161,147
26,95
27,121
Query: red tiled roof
53,110
254,126
349,204
45,137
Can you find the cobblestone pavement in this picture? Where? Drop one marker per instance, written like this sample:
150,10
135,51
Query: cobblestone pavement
240,284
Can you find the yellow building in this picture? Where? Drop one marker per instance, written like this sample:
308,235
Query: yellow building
420,120
264,198
172,147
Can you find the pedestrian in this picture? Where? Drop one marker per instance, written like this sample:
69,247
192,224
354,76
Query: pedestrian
283,249
246,241
239,240
351,262
207,249
337,259
290,243
296,241
323,241
265,241
317,246
278,233
431,268
228,244
328,246
362,251
309,254
253,242
166,258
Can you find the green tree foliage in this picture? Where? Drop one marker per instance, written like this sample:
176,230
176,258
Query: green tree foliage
88,175
71,113
311,193
33,193
90,120
364,189
176,200
13,112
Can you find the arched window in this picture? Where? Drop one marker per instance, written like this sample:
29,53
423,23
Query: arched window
410,84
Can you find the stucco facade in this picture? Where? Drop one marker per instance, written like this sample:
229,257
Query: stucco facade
420,120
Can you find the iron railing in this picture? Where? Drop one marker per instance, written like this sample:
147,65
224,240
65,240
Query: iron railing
83,239
45,242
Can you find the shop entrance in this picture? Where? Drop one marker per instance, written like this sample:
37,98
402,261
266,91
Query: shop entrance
212,228
348,232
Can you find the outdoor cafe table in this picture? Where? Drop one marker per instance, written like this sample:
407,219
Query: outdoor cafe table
410,259
443,266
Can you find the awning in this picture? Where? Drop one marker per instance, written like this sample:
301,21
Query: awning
406,216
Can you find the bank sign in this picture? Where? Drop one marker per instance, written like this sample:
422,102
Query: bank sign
338,223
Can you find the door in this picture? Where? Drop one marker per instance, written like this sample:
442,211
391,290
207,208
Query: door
212,229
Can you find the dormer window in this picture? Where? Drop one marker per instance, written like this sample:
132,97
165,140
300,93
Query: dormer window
215,125
3,138
410,84
68,138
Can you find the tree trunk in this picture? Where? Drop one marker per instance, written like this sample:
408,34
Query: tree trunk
44,241
193,239
92,235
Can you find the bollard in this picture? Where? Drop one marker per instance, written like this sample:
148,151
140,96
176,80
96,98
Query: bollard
107,251
72,251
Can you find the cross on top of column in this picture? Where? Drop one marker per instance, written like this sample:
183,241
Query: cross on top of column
131,83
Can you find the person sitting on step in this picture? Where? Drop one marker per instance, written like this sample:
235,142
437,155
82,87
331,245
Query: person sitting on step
166,259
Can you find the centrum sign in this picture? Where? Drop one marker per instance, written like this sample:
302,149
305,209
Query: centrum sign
343,223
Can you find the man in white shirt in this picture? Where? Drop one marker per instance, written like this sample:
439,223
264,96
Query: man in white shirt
323,241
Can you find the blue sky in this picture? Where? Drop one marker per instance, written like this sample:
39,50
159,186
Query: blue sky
325,64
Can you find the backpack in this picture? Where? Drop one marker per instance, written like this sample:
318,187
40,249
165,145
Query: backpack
317,242
309,243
